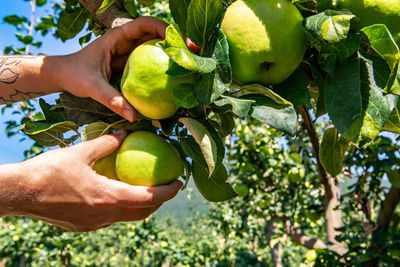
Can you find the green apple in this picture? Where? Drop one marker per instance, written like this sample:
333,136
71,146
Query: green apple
311,256
146,159
374,12
147,86
295,175
241,189
314,215
106,166
267,40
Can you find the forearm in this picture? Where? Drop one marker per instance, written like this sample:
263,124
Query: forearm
26,77
15,191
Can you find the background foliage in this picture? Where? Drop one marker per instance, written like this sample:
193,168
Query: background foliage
292,214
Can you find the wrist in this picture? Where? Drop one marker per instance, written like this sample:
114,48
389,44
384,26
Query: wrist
51,72
14,190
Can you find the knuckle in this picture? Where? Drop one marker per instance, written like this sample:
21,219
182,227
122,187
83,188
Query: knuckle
153,199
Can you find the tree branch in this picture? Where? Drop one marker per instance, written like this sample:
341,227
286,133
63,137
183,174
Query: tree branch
302,239
271,225
333,215
32,24
385,216
111,18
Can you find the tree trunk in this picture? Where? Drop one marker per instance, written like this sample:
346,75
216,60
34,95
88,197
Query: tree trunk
333,215
385,216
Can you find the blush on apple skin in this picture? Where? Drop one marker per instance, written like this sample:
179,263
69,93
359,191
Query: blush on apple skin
192,46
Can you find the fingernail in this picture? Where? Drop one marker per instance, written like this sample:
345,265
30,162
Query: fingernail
128,114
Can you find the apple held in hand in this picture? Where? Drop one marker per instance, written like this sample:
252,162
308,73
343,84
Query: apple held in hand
106,166
146,85
146,159
267,40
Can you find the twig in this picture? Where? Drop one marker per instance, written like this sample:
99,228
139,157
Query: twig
32,24
111,18
302,239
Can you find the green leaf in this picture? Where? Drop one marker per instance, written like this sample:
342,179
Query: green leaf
203,18
240,107
221,55
51,116
146,2
184,96
393,123
332,151
179,9
262,90
213,85
140,125
45,25
131,8
332,54
71,23
94,130
41,2
106,4
175,47
26,39
209,88
192,150
85,39
36,127
295,89
175,70
213,188
83,110
382,43
270,108
166,125
206,142
282,117
227,123
354,102
48,134
329,25
15,20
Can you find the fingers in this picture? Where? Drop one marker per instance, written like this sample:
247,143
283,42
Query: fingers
142,196
111,98
132,214
138,27
102,146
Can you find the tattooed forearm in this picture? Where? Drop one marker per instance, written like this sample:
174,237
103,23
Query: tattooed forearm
8,74
19,96
13,73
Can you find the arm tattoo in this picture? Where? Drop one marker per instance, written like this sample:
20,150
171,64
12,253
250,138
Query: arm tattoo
9,76
19,96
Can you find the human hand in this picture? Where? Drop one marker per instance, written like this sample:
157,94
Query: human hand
87,72
61,187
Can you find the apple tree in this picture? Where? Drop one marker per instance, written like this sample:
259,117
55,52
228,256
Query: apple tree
317,149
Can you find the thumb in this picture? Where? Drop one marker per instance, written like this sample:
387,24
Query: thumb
111,98
102,146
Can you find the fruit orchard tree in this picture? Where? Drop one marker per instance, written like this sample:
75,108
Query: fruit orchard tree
297,99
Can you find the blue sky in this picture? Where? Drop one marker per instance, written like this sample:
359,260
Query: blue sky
11,149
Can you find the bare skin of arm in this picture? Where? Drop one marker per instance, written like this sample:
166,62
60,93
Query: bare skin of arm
60,186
